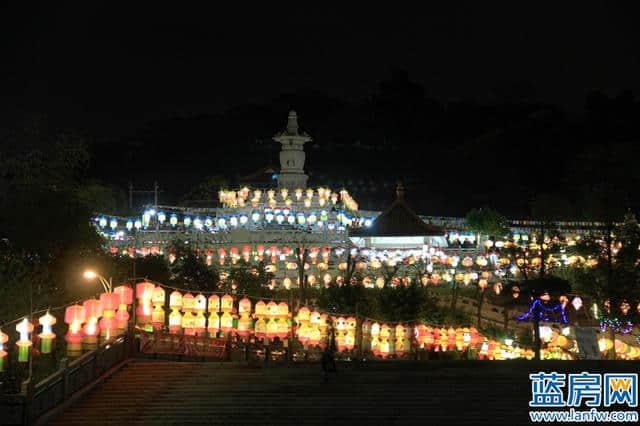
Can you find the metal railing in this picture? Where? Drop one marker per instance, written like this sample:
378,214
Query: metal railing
35,400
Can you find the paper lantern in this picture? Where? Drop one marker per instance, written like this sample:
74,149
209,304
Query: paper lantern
188,303
24,327
108,324
144,294
226,303
74,316
350,333
93,312
188,323
47,335
122,315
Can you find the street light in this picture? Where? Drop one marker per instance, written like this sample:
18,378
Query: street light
107,285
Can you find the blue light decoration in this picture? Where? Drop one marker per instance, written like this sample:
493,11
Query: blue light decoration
173,219
543,312
368,222
114,223
129,224
618,326
187,221
208,222
102,222
255,216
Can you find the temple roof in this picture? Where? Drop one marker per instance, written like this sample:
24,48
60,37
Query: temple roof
398,220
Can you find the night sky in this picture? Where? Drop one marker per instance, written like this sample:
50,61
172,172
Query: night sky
176,94
111,68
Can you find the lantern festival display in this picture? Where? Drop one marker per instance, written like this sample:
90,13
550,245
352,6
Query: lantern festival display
108,323
90,331
3,354
213,324
175,317
158,315
144,294
122,315
47,335
74,316
375,338
24,328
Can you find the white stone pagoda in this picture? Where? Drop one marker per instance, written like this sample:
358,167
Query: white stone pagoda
292,155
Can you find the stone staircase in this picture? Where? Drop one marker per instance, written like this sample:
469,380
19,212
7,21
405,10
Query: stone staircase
185,393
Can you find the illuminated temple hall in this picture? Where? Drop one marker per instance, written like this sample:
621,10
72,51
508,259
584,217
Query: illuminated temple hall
269,223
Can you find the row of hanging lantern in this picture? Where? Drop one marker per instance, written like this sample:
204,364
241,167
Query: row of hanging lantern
321,197
322,220
24,342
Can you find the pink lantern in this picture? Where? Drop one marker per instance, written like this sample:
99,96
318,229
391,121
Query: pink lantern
108,324
144,294
122,315
93,311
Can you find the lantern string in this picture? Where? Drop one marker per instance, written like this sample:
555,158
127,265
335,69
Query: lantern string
50,309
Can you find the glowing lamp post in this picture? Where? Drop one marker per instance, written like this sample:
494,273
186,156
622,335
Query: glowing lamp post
24,327
106,284
47,335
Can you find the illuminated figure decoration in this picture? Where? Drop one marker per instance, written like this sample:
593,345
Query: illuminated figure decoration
538,310
46,337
